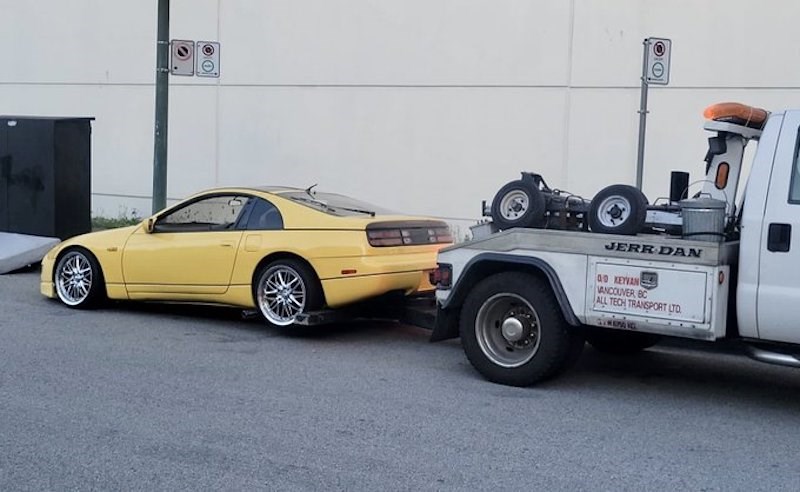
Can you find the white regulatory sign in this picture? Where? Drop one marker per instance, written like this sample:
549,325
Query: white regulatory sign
207,56
182,57
658,56
676,295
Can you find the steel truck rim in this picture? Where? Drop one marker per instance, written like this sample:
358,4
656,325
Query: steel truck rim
508,330
514,204
613,211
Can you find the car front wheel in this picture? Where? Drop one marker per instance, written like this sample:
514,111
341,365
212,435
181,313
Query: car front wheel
78,279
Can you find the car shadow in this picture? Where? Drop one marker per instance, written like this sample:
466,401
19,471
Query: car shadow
33,267
236,318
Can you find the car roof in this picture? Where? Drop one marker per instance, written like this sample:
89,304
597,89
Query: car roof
274,190
277,190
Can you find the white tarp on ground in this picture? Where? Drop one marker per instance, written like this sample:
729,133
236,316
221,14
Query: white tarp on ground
20,250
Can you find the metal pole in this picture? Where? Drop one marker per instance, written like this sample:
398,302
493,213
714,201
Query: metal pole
642,117
162,108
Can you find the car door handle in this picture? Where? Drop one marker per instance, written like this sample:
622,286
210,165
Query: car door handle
226,244
779,238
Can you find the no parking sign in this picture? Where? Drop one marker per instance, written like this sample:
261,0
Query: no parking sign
658,56
182,57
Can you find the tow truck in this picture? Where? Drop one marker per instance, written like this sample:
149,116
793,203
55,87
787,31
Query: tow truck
552,271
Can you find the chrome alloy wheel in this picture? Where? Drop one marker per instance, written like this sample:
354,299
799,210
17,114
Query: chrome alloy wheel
514,204
74,278
508,330
613,211
281,295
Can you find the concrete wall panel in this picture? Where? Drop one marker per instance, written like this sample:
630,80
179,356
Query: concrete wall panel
504,42
426,106
462,146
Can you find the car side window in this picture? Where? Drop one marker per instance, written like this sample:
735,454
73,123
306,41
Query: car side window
216,213
794,186
264,216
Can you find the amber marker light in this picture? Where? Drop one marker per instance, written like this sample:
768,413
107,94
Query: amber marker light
722,175
729,111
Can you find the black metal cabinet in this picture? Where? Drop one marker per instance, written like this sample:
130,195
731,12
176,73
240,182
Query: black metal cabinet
45,176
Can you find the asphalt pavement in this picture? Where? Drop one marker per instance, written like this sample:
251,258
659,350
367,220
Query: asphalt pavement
151,397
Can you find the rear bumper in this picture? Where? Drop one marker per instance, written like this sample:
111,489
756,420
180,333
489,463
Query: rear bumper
347,290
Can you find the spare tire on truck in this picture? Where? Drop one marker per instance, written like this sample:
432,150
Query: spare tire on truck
618,209
519,203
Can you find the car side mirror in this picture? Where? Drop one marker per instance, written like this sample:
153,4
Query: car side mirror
149,224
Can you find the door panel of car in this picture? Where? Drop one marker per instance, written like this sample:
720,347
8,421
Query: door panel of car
263,235
191,250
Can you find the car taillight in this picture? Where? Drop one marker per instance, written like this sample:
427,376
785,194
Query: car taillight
442,276
385,237
408,234
442,234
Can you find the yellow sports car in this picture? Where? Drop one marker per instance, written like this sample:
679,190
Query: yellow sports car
284,251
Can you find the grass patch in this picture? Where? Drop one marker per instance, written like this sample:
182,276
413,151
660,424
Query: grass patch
123,219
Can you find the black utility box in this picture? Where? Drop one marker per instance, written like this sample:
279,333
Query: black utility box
45,175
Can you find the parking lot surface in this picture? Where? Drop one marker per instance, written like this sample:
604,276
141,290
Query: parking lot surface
146,397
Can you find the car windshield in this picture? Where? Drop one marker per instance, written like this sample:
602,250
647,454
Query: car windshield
334,204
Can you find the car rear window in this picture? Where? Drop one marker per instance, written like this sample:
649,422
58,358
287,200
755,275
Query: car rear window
335,204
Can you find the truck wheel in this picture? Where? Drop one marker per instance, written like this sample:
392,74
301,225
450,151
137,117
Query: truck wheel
618,209
620,342
513,332
518,204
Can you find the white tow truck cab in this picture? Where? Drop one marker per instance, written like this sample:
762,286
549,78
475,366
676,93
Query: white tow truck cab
525,299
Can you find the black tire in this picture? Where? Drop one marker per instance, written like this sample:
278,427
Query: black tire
536,354
78,279
271,304
519,204
620,342
618,209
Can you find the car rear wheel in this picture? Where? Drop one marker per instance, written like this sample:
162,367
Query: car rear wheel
78,279
284,289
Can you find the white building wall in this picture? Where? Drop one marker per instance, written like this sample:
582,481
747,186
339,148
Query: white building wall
425,106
